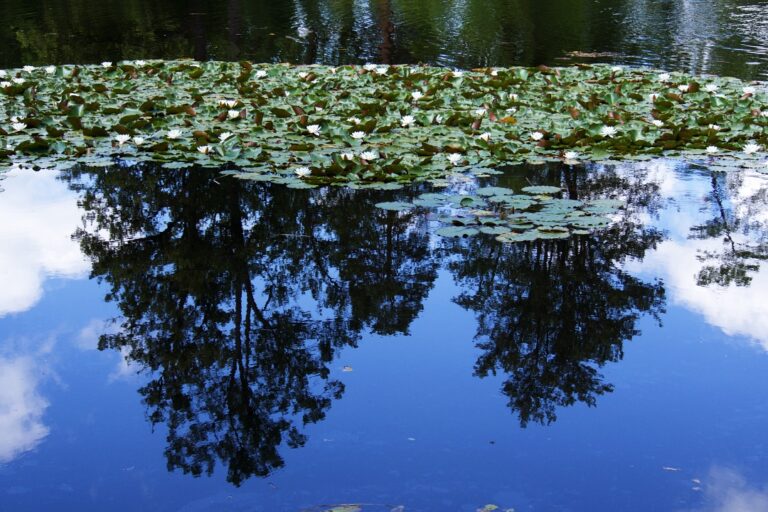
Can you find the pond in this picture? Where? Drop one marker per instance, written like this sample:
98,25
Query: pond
180,339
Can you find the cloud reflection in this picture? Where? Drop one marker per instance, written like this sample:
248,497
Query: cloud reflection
38,216
728,491
21,408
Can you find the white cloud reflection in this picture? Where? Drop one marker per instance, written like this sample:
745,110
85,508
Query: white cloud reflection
21,407
38,216
726,490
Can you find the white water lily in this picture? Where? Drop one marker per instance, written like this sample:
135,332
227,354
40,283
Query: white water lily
486,136
303,74
454,158
608,131
657,123
664,77
511,110
764,113
653,97
494,72
354,120
140,63
537,136
714,127
302,172
28,69
748,90
369,155
233,114
571,155
382,70
683,87
204,149
458,74
710,87
616,69
314,129
224,136
752,148
106,64
5,84
417,95
358,135
122,139
174,134
407,121
138,141
17,81
712,150
369,67
480,112
228,103
347,156
261,73
50,70
18,127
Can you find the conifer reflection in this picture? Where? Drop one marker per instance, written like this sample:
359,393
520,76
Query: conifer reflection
235,297
550,313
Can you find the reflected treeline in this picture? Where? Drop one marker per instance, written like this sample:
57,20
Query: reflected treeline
552,312
235,297
726,37
734,205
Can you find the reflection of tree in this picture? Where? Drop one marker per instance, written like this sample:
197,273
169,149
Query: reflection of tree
734,222
551,313
235,296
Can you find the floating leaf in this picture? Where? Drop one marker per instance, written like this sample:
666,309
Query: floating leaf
398,206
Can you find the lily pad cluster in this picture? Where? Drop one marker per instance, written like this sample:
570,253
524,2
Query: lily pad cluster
536,214
373,124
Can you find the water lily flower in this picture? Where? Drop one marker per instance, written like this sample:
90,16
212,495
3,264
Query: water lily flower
439,118
314,129
712,150
369,67
407,121
494,72
608,131
233,114
353,120
204,149
537,136
486,136
617,69
18,127
302,172
15,119
653,97
369,155
224,136
140,63
122,139
261,73
751,148
764,113
50,70
571,155
748,90
511,110
480,112
657,123
683,87
5,84
347,156
358,135
106,64
174,134
17,81
714,127
28,69
382,70
454,158
458,74
710,87
514,96
664,77
228,103
138,140
318,109
303,74
417,95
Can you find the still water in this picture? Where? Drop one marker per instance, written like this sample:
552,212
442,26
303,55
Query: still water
177,340
726,37
186,341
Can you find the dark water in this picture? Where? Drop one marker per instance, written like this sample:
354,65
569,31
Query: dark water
727,37
297,348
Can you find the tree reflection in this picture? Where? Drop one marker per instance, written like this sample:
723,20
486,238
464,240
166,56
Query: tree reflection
551,313
235,297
